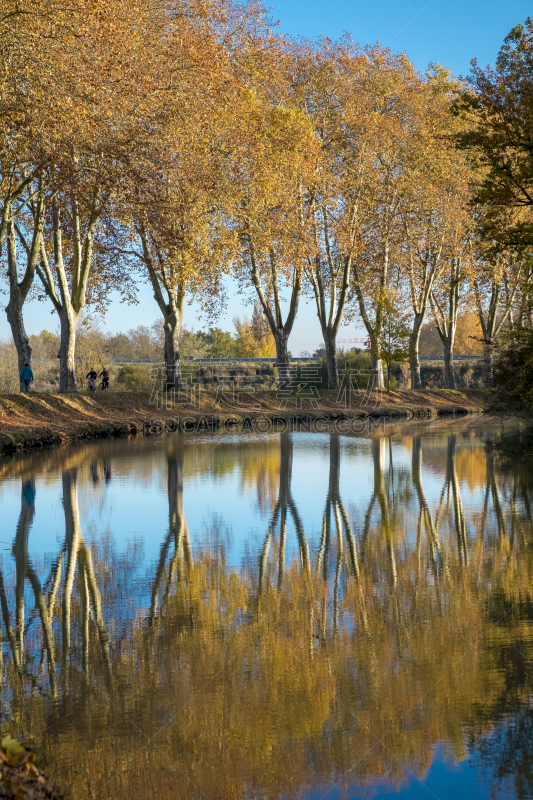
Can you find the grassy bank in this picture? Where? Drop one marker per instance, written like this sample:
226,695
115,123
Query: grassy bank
36,420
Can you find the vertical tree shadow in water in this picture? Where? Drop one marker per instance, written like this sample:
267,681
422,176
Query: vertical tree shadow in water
73,553
284,506
177,541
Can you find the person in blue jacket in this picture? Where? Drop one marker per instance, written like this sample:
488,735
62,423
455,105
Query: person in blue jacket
26,376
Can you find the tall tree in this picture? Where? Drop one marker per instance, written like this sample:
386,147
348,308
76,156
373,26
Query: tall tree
445,304
434,203
271,164
70,270
332,86
497,106
176,198
358,105
449,294
394,92
21,271
91,73
142,58
500,280
181,254
33,110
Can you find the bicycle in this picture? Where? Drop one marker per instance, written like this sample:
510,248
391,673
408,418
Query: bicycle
91,386
103,385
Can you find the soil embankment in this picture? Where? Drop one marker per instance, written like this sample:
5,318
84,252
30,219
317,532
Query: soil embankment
37,420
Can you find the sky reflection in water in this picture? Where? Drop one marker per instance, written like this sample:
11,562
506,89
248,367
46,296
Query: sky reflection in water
277,615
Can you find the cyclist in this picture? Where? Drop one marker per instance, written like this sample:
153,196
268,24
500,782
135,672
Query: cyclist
92,376
105,379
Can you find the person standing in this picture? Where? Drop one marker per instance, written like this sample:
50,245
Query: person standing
26,376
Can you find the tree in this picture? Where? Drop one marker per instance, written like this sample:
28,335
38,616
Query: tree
192,345
434,205
332,87
107,122
393,95
445,307
181,255
45,345
71,273
176,204
497,108
253,338
396,333
172,207
468,336
32,112
219,343
20,286
270,172
497,283
446,295
513,368
365,110
51,113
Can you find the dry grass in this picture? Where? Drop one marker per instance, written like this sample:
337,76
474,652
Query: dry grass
9,382
38,418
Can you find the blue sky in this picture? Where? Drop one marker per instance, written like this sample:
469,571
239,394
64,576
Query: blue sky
450,32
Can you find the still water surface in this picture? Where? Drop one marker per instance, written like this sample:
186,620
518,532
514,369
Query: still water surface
278,615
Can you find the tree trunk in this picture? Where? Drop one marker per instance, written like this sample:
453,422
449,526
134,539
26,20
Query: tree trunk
447,335
449,372
376,364
331,361
17,295
20,337
68,297
488,363
377,373
67,369
280,331
414,361
282,357
172,329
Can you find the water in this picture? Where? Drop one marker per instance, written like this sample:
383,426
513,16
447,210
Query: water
279,615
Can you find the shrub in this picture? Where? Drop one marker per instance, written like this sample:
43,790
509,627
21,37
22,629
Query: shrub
135,378
347,364
513,369
9,377
355,361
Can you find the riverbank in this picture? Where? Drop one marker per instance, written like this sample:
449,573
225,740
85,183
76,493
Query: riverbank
42,420
21,777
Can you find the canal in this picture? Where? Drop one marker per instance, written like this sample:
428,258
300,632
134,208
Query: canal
287,614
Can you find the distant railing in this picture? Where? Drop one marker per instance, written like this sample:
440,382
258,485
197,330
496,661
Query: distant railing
455,358
207,360
264,360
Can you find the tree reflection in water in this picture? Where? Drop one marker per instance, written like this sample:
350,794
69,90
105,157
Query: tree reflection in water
405,623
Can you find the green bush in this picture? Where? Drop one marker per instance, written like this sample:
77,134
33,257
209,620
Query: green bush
351,362
135,378
513,369
355,361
